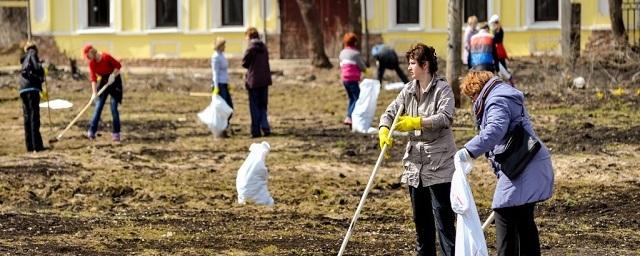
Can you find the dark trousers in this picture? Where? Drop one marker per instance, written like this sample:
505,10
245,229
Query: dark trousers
516,231
223,91
31,111
258,101
432,210
353,92
393,66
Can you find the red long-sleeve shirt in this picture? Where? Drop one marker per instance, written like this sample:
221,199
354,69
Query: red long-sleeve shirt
105,66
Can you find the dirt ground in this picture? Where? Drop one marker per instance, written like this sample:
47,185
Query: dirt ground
169,187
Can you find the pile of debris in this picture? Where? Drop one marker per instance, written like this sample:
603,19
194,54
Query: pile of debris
618,58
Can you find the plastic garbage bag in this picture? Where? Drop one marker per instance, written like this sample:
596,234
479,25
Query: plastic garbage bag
365,107
251,182
469,236
56,104
394,86
503,72
216,115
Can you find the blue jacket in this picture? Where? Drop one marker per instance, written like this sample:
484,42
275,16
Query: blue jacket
503,110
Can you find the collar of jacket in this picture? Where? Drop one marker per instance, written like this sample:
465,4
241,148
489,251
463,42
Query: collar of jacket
413,84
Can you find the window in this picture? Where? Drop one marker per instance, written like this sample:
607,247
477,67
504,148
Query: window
98,13
545,10
232,13
407,12
477,8
166,13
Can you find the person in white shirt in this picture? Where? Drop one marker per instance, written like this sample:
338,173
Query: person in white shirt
220,74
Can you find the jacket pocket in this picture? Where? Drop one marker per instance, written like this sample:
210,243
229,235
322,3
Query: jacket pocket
433,157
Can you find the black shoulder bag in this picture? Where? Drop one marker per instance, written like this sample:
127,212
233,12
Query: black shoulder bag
520,148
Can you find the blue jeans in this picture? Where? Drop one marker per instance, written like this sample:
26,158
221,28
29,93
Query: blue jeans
100,101
353,91
258,101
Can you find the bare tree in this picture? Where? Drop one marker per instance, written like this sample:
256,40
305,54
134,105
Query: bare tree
316,39
454,47
355,26
617,24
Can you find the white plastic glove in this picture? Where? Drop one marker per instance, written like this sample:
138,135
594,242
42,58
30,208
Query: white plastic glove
463,161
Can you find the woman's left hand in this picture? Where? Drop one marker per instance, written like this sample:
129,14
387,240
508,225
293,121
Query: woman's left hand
408,123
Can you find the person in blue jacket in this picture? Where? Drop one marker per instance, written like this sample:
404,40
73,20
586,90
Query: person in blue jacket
513,200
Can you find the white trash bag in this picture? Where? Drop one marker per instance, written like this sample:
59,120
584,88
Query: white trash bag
469,236
365,107
394,86
251,182
216,115
56,104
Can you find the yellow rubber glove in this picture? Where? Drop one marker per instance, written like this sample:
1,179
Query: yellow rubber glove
215,90
385,139
44,95
366,72
409,123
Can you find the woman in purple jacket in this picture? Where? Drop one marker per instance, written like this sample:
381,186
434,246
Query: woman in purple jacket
514,199
257,82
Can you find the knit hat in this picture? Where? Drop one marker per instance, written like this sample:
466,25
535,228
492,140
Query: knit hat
494,18
86,49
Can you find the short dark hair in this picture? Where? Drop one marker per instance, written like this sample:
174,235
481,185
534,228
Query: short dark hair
423,53
252,33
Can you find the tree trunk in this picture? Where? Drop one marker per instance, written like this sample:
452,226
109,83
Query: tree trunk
355,25
617,24
454,47
316,39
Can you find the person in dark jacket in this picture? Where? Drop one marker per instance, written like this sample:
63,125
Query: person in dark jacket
514,199
498,38
104,65
386,58
257,82
31,79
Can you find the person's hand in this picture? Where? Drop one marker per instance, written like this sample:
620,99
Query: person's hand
463,161
385,139
44,95
93,96
409,123
215,90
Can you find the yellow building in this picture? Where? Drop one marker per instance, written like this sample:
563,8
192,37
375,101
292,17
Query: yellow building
187,28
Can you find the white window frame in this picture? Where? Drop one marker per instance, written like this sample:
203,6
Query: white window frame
150,24
530,18
216,17
393,23
83,19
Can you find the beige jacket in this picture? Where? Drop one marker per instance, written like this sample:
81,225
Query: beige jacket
428,158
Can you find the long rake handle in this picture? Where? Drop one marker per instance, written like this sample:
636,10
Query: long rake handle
81,112
356,215
488,221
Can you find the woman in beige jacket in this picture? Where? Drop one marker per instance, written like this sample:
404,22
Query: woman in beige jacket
429,107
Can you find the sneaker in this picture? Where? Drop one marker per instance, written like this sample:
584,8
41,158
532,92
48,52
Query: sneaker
91,136
347,121
115,137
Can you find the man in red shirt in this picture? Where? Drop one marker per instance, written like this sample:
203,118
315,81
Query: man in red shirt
104,65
